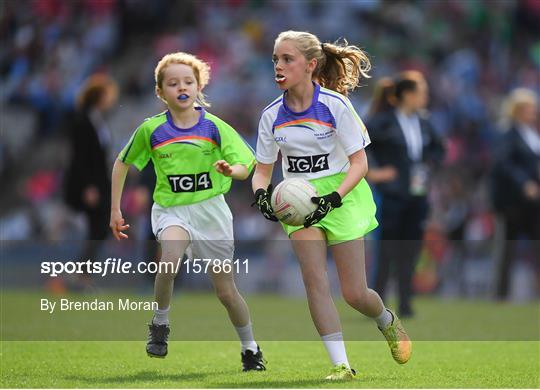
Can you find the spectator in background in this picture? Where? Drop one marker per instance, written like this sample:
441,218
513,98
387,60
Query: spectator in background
406,146
383,102
87,185
384,98
152,250
516,181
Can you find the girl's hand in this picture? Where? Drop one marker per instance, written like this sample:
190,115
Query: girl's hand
118,225
223,167
262,200
325,204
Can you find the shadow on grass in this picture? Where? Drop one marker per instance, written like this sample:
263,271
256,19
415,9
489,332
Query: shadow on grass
141,376
272,384
362,380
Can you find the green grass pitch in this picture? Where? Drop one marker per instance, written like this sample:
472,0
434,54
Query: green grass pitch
291,364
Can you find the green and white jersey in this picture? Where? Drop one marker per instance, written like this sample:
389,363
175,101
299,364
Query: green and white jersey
315,143
183,158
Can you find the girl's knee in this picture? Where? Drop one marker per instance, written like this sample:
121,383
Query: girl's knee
357,298
316,281
227,295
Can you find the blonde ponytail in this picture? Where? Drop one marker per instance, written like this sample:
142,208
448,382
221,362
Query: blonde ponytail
344,67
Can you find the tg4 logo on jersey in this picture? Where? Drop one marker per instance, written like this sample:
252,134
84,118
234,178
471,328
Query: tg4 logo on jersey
302,164
190,182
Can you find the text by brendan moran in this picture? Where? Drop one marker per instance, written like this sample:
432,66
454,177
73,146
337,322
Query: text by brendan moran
65,304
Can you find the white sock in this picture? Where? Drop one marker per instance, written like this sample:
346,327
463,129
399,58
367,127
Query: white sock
384,319
245,333
161,317
336,348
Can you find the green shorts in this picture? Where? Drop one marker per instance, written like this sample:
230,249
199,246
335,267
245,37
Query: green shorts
354,219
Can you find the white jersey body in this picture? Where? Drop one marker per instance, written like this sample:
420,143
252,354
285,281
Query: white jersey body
314,143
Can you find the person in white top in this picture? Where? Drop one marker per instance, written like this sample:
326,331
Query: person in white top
322,139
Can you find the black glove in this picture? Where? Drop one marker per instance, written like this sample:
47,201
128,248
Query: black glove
325,204
262,200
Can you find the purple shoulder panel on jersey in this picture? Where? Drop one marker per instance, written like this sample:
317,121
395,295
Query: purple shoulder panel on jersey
168,132
317,113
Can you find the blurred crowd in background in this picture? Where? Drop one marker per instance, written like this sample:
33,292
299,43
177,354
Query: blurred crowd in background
473,53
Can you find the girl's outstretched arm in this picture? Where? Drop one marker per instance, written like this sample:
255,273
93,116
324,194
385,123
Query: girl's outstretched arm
117,222
237,171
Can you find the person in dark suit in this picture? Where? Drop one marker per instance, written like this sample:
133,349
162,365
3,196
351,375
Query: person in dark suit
405,148
87,186
516,183
384,101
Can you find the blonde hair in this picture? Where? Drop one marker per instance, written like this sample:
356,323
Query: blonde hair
201,70
517,99
339,65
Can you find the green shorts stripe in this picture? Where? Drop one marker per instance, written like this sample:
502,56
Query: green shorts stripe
354,219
